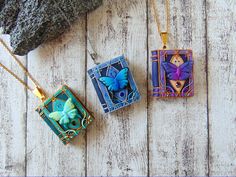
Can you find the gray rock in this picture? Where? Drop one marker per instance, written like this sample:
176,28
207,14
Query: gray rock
1,4
32,22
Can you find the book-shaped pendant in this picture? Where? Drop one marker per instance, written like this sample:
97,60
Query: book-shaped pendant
172,73
114,84
65,114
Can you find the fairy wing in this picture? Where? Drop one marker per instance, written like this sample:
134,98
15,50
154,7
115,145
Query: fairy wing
56,115
171,70
122,78
185,70
110,83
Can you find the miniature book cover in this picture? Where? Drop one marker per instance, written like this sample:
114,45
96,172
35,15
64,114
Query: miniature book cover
114,84
65,114
172,73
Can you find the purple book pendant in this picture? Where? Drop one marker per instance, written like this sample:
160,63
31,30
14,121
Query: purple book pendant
172,70
172,73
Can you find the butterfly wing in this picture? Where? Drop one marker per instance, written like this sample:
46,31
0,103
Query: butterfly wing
184,76
110,83
173,76
64,120
171,70
114,87
185,70
73,113
68,106
122,78
169,67
107,81
187,66
56,115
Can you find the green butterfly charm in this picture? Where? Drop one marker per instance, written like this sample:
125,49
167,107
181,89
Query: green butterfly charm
69,112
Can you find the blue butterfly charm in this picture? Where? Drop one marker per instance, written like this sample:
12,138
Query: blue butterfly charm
69,112
117,82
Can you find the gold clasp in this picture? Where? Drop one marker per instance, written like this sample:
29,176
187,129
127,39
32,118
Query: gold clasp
39,93
164,38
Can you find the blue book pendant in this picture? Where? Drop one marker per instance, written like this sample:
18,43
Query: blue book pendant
65,114
114,84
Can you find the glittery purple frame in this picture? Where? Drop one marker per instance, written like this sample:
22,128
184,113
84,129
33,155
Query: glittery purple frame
161,84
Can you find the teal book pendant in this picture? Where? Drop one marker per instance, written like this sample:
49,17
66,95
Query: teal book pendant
65,114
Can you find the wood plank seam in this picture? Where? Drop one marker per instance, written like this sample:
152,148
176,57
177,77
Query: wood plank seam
207,87
147,91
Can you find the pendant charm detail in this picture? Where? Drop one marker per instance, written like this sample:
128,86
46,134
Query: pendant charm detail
39,93
65,114
114,84
172,73
164,38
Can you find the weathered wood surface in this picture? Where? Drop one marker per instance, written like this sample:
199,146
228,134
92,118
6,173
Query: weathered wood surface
221,32
12,118
193,136
178,127
117,143
54,64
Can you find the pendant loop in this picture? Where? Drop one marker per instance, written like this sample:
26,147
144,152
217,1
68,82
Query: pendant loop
39,93
164,38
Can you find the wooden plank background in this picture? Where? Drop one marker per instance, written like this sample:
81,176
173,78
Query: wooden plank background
185,137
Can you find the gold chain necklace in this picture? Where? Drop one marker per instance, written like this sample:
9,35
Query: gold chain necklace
37,91
172,69
63,112
163,34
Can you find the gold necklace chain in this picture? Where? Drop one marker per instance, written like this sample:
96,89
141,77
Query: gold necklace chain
37,90
163,34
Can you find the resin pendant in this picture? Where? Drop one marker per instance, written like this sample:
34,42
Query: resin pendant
172,73
114,84
65,114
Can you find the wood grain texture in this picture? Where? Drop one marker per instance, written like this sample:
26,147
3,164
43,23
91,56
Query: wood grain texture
117,143
12,118
222,83
185,137
178,127
54,64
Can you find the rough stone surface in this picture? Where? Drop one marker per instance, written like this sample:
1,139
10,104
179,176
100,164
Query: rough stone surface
1,4
32,22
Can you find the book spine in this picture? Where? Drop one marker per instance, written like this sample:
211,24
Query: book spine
99,93
155,73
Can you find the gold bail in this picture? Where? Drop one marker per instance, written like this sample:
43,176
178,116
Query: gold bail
39,93
164,38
